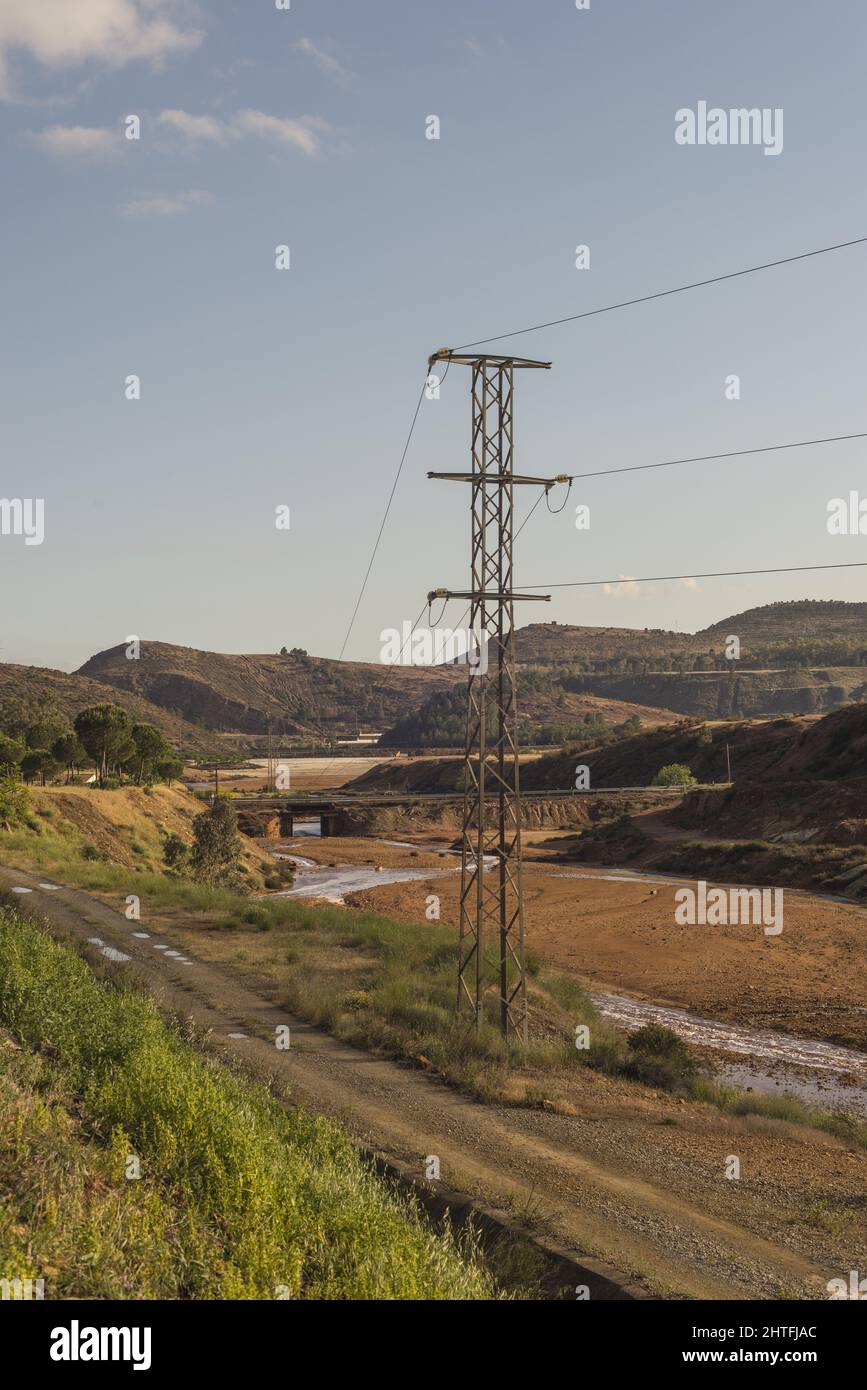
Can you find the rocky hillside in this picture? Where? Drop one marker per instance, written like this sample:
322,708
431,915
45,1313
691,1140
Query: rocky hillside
813,632
734,693
36,685
796,658
782,750
313,697
298,695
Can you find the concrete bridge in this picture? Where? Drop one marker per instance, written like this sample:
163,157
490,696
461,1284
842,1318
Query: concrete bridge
287,808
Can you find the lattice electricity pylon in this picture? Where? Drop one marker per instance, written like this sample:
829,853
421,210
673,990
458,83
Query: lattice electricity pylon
492,902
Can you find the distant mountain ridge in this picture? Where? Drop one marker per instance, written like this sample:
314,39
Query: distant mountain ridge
825,621
211,702
295,695
71,693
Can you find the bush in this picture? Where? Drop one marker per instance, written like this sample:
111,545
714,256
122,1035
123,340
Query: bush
674,775
216,854
14,803
659,1057
175,854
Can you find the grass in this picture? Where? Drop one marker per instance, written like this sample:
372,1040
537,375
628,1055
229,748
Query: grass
842,1124
390,986
96,839
239,1198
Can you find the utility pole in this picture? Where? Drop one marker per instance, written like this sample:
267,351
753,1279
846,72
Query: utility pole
492,903
728,765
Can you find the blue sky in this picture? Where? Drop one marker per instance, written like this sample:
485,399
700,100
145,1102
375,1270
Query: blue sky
259,387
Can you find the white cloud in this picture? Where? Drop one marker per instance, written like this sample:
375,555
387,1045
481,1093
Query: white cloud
300,132
77,140
626,588
193,128
323,59
66,33
167,204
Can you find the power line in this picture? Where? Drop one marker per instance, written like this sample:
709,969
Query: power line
573,318
662,294
384,519
712,574
732,454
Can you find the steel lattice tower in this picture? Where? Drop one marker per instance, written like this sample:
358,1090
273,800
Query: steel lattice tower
491,904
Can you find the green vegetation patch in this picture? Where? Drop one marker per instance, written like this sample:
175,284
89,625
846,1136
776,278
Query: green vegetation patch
239,1198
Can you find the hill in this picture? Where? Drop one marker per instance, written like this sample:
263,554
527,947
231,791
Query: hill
806,657
784,750
733,693
800,618
298,695
805,632
779,750
314,697
71,693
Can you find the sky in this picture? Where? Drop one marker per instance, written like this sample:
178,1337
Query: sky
306,127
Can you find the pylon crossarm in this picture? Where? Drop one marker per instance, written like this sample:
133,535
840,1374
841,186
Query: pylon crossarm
486,596
502,479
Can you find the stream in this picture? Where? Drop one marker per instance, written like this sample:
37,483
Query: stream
818,1073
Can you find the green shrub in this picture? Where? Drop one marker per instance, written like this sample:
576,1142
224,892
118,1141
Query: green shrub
674,775
659,1057
283,1193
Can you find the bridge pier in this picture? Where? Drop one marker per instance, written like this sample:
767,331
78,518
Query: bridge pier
287,825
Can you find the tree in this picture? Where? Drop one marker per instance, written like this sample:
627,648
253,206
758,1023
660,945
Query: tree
169,768
674,775
175,854
14,803
70,753
11,751
105,732
38,763
216,852
43,733
150,748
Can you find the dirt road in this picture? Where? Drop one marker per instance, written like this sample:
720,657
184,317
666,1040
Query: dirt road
635,1180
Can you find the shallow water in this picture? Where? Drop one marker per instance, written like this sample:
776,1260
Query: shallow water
334,884
809,1070
819,1065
